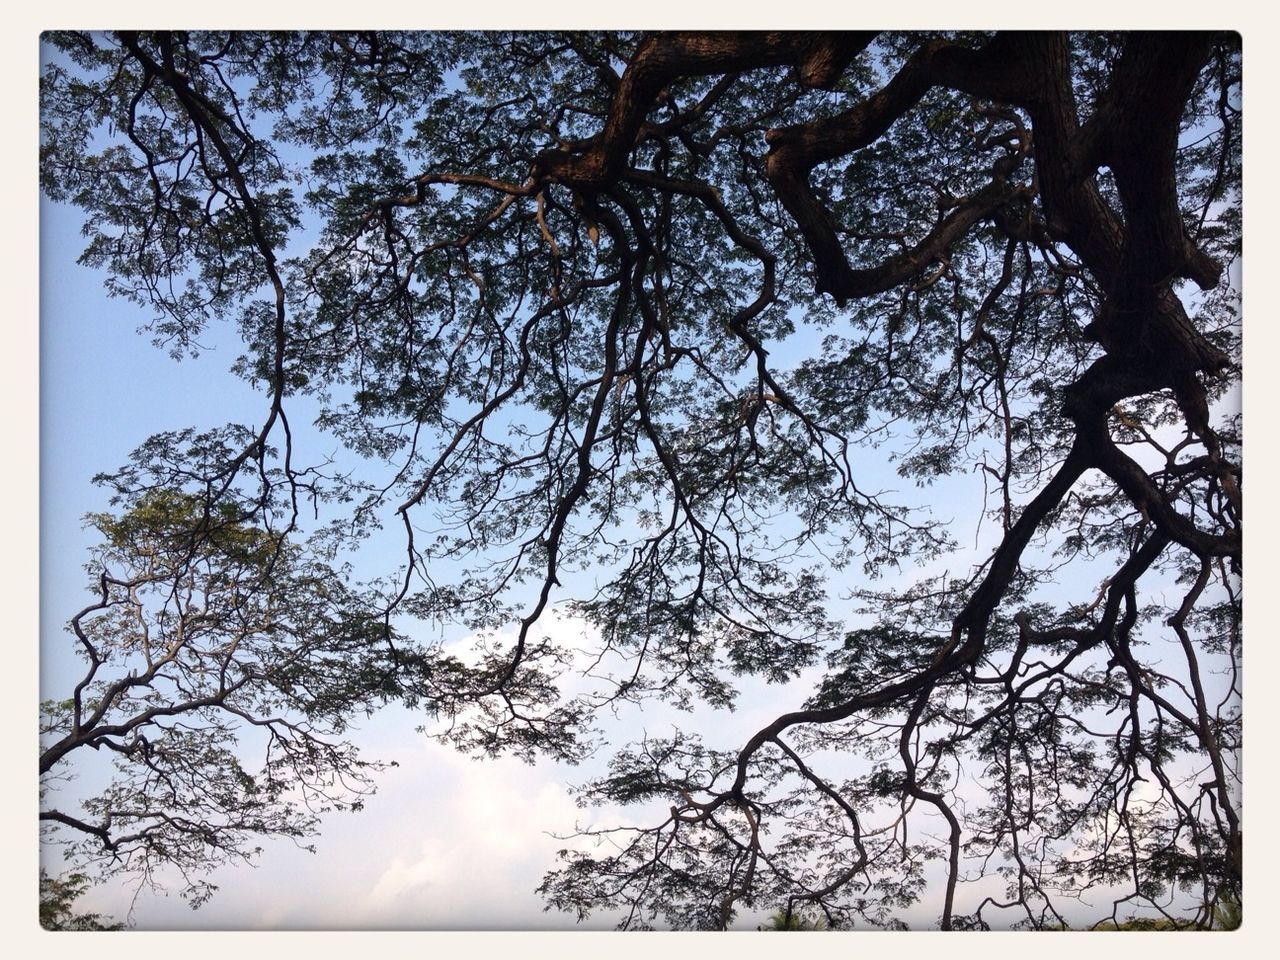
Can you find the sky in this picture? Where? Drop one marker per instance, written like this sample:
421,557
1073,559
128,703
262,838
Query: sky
436,847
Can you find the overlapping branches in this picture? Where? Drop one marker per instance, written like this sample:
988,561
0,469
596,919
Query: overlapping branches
562,291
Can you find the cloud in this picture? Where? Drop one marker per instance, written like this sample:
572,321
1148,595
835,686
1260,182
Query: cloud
479,836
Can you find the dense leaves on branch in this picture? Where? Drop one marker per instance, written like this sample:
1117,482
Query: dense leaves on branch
640,327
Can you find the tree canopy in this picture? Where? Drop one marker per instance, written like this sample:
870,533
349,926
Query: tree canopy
681,332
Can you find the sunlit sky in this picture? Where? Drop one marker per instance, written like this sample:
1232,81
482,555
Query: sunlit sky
447,842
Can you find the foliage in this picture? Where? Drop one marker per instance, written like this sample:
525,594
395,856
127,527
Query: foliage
651,328
1224,915
57,897
784,920
208,631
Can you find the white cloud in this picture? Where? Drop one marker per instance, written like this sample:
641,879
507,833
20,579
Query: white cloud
479,846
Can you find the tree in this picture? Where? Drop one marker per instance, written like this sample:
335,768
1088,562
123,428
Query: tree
58,896
203,626
627,323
